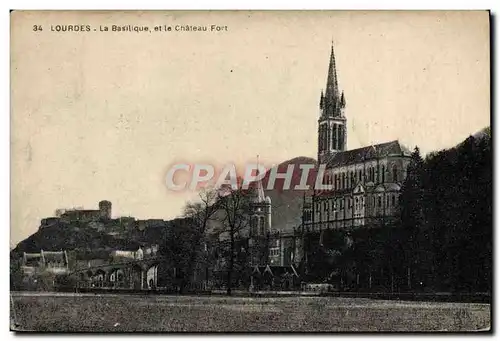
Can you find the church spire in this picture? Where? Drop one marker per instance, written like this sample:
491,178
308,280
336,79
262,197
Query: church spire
332,96
332,125
260,189
332,84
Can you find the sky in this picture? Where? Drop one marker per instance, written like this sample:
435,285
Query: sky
103,115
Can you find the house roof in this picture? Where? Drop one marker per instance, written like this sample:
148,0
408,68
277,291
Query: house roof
54,256
32,255
367,153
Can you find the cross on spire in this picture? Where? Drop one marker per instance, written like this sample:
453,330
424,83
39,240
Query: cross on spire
332,101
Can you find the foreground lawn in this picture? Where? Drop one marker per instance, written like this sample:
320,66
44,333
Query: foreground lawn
128,313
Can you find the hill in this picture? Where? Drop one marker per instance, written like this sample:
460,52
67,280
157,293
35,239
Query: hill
287,203
88,241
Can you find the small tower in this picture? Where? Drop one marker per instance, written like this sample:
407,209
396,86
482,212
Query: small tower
332,132
261,211
105,210
260,225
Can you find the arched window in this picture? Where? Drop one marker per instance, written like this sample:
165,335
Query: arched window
379,201
320,142
335,144
383,173
393,200
253,225
394,173
262,226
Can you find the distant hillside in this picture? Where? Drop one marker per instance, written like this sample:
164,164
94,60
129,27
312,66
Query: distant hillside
287,204
484,133
84,238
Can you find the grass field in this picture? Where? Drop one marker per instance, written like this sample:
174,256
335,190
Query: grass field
129,313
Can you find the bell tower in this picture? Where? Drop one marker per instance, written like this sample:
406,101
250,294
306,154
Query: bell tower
332,132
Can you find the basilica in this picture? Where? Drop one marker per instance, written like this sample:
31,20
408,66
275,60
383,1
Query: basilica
364,188
366,181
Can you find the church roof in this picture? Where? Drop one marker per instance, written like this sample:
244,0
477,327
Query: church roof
366,153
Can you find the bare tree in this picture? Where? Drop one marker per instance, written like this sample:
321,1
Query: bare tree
235,204
199,213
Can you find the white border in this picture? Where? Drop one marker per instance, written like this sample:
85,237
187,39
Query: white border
147,4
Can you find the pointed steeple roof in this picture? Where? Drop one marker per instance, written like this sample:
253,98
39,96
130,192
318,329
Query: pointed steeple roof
332,87
332,100
260,192
260,197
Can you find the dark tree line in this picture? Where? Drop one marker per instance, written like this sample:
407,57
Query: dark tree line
447,210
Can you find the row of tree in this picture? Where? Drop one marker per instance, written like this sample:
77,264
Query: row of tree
212,237
447,212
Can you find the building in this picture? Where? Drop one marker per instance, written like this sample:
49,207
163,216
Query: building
366,181
80,215
55,262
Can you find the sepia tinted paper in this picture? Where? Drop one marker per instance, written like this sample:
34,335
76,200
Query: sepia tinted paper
122,123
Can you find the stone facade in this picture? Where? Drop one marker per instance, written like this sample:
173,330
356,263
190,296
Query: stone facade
365,182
